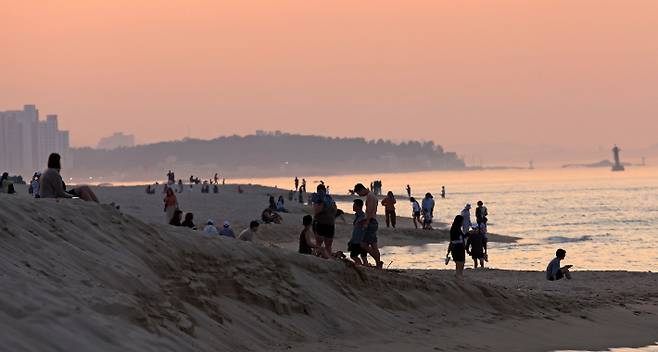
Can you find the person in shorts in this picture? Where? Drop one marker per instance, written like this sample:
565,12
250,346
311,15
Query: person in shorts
324,220
357,253
370,225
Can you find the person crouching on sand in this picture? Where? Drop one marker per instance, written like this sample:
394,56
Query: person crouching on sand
554,272
456,246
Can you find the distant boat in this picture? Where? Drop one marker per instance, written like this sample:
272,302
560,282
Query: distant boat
617,166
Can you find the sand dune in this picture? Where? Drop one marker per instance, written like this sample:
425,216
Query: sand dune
80,277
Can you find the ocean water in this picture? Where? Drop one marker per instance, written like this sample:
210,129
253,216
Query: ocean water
652,348
604,220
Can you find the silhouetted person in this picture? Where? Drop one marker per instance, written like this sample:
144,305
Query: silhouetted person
408,191
188,222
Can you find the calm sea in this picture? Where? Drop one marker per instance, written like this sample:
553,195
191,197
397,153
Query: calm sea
604,220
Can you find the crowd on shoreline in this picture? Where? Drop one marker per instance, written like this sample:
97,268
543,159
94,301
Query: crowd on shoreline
317,235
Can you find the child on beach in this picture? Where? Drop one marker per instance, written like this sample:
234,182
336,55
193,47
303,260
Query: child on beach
357,253
415,212
306,237
476,246
554,272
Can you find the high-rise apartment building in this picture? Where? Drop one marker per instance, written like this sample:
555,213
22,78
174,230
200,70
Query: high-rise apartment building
26,142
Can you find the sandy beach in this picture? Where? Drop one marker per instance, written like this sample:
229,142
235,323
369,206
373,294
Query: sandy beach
82,276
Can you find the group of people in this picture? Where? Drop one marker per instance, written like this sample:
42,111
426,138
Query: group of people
319,230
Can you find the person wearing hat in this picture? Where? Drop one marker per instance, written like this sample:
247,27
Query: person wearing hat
227,230
466,214
210,229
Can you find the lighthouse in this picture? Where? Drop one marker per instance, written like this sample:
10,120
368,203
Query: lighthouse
617,166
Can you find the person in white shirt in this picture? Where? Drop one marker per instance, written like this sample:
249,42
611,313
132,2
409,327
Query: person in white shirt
210,229
466,214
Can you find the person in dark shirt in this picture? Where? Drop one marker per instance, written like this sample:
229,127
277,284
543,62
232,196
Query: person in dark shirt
188,222
176,219
456,246
475,246
554,271
306,245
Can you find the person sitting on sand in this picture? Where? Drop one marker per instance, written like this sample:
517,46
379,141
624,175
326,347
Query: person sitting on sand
554,271
428,211
6,186
215,189
240,190
456,246
280,205
52,186
170,204
269,216
306,243
324,221
188,222
370,224
248,234
415,212
226,230
210,229
389,209
476,246
357,253
176,218
272,205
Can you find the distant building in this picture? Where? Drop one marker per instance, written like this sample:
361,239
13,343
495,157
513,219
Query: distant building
26,142
117,140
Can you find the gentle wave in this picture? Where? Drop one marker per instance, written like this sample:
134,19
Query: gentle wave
562,239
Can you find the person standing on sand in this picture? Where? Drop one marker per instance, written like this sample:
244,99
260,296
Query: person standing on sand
408,191
554,272
415,211
481,213
456,246
296,183
248,234
304,184
170,204
324,225
466,214
357,253
306,244
389,209
443,192
370,224
428,211
476,246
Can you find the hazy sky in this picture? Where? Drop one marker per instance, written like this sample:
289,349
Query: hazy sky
572,73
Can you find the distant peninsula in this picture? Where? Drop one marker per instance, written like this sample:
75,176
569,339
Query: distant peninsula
264,154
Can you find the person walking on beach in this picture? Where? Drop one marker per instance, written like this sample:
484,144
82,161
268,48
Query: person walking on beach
476,247
170,204
324,225
306,244
481,213
443,192
226,230
554,272
248,234
415,212
370,224
428,211
389,209
466,214
296,183
408,191
456,246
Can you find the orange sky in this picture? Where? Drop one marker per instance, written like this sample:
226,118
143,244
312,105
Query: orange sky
572,73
